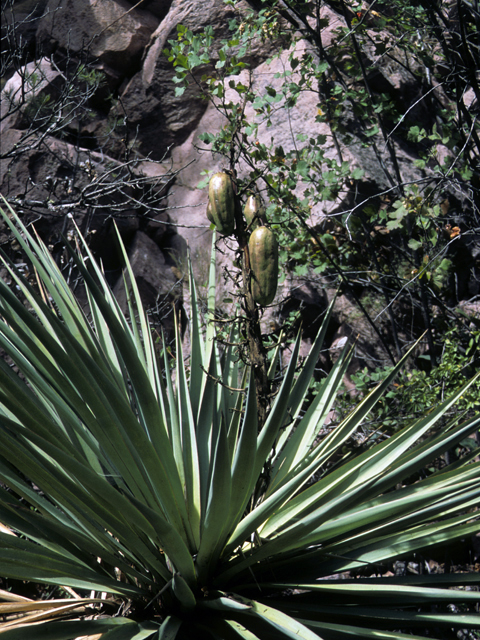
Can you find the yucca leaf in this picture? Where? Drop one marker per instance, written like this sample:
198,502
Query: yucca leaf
383,548
331,559
236,419
243,479
272,369
207,432
183,593
74,629
371,465
99,413
51,278
170,542
230,630
24,560
385,618
188,445
276,506
400,512
386,455
67,538
142,337
278,413
175,431
368,591
145,631
19,403
149,407
440,580
64,480
309,500
211,303
231,604
295,455
342,631
289,539
305,501
415,459
395,515
302,384
352,552
104,399
140,324
230,374
214,522
106,343
261,617
196,347
170,628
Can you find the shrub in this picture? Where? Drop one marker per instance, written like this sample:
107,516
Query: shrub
416,391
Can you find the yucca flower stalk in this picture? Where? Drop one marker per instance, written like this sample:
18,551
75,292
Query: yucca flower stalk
156,510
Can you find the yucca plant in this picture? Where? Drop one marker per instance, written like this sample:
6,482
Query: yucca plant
154,509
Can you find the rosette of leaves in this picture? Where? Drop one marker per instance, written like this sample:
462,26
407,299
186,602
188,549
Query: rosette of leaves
154,508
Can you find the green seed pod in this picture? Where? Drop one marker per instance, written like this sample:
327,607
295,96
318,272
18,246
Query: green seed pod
209,212
253,211
263,250
221,201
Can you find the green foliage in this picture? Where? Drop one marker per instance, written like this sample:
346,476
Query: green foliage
396,243
415,392
161,491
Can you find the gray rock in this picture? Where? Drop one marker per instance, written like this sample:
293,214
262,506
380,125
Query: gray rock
159,8
159,117
58,180
24,94
109,30
18,29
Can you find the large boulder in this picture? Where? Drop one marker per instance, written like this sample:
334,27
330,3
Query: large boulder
19,21
110,30
28,94
60,182
159,117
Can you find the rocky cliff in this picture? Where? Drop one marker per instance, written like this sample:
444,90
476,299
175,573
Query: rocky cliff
94,132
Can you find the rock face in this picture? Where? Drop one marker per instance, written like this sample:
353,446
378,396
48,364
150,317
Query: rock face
125,146
110,30
26,90
162,118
